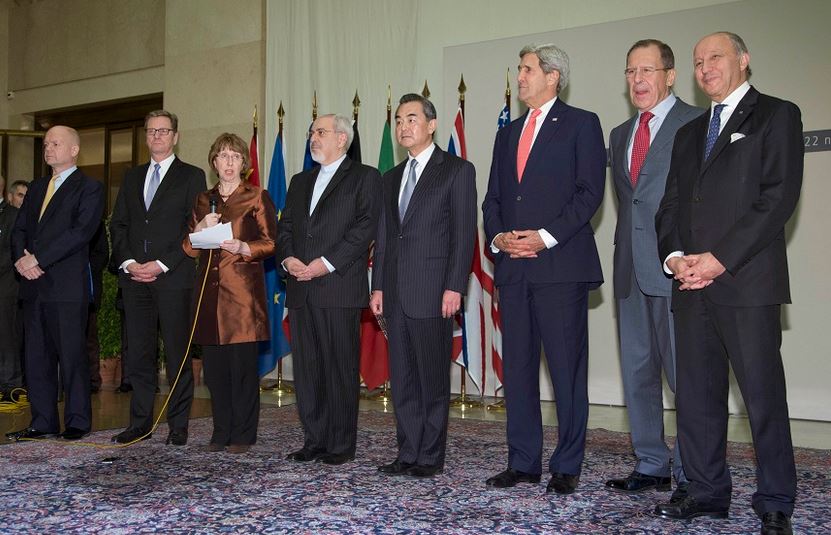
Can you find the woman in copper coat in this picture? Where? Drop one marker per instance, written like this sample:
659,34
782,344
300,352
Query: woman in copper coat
232,317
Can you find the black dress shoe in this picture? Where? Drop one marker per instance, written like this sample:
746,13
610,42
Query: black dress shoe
776,523
335,458
638,482
124,387
395,468
73,433
177,437
681,491
130,435
304,455
510,478
688,508
28,434
423,471
562,483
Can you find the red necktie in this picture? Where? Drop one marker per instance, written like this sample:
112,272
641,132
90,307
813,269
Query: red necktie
640,147
525,142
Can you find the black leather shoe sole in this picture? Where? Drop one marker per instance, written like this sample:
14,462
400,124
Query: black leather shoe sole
335,459
562,484
29,434
509,478
395,468
635,484
70,433
304,455
125,437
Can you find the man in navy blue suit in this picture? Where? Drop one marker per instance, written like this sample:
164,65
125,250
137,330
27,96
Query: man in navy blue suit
546,183
50,243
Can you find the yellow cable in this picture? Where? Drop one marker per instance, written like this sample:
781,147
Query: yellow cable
170,393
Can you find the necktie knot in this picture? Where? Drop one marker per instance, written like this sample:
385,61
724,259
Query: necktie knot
536,113
646,117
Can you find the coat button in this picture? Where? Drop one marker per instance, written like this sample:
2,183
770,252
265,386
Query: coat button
519,197
636,201
400,236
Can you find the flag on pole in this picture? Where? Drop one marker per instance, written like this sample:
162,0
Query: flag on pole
487,272
471,345
253,151
275,287
308,162
386,156
354,151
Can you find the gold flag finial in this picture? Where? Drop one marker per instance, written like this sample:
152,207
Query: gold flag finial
356,105
389,98
255,116
314,106
280,114
462,87
426,91
508,83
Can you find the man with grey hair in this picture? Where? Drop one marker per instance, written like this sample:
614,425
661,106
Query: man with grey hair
546,182
323,240
17,192
733,184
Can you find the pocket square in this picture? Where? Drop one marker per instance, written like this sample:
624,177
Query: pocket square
735,136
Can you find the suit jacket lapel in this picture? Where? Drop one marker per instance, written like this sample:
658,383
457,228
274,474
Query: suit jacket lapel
168,181
622,147
396,175
430,174
549,126
140,185
739,116
339,175
513,144
670,124
66,188
310,187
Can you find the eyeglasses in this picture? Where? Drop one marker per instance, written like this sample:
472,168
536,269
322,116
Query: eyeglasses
162,132
321,132
646,72
230,157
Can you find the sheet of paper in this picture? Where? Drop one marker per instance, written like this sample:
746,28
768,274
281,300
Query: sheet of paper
211,237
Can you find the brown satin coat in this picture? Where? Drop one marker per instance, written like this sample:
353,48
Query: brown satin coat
233,308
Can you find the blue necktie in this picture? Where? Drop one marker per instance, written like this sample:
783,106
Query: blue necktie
152,186
712,133
407,194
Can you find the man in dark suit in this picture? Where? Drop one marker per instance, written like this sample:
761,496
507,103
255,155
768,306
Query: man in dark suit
420,272
51,244
323,240
148,225
639,151
733,183
546,183
11,369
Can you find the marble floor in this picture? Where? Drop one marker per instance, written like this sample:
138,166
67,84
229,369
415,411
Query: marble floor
111,411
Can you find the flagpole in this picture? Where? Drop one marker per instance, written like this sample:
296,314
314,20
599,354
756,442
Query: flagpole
499,406
462,402
283,387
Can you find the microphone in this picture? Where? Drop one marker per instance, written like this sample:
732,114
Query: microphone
213,202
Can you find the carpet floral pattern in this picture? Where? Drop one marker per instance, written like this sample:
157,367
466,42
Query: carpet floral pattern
52,487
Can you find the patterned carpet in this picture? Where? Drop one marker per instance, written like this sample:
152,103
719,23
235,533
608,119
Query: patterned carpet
50,487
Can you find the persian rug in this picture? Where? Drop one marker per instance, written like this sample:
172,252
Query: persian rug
56,487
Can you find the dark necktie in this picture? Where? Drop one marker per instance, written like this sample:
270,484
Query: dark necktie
640,147
407,194
712,133
152,186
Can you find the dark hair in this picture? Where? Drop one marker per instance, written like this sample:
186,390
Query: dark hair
231,142
667,57
426,105
174,121
17,183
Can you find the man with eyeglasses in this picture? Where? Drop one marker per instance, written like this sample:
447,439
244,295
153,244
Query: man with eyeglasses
149,222
640,150
323,239
734,182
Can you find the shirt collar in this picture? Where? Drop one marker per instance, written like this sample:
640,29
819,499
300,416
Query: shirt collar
544,109
423,157
732,100
63,175
332,167
661,110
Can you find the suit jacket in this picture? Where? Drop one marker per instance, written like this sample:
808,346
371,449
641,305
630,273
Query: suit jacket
156,234
341,229
233,306
736,203
8,275
99,257
561,189
60,239
636,243
429,252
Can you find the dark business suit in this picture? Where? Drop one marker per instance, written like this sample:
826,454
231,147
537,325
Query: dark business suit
545,299
11,369
55,304
415,261
642,290
324,313
735,205
164,304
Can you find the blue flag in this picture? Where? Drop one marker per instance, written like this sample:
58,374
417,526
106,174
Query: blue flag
504,117
308,163
275,287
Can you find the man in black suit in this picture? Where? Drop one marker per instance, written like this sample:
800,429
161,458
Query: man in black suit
149,222
733,183
420,272
11,370
51,244
325,230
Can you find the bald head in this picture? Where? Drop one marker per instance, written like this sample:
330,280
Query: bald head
61,146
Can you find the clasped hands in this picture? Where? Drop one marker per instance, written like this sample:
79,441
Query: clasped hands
520,243
27,266
695,271
302,272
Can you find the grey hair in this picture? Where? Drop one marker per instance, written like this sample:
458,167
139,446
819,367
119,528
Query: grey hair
738,44
343,125
551,59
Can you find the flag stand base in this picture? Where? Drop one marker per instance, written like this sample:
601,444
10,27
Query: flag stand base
499,406
279,386
464,401
383,395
